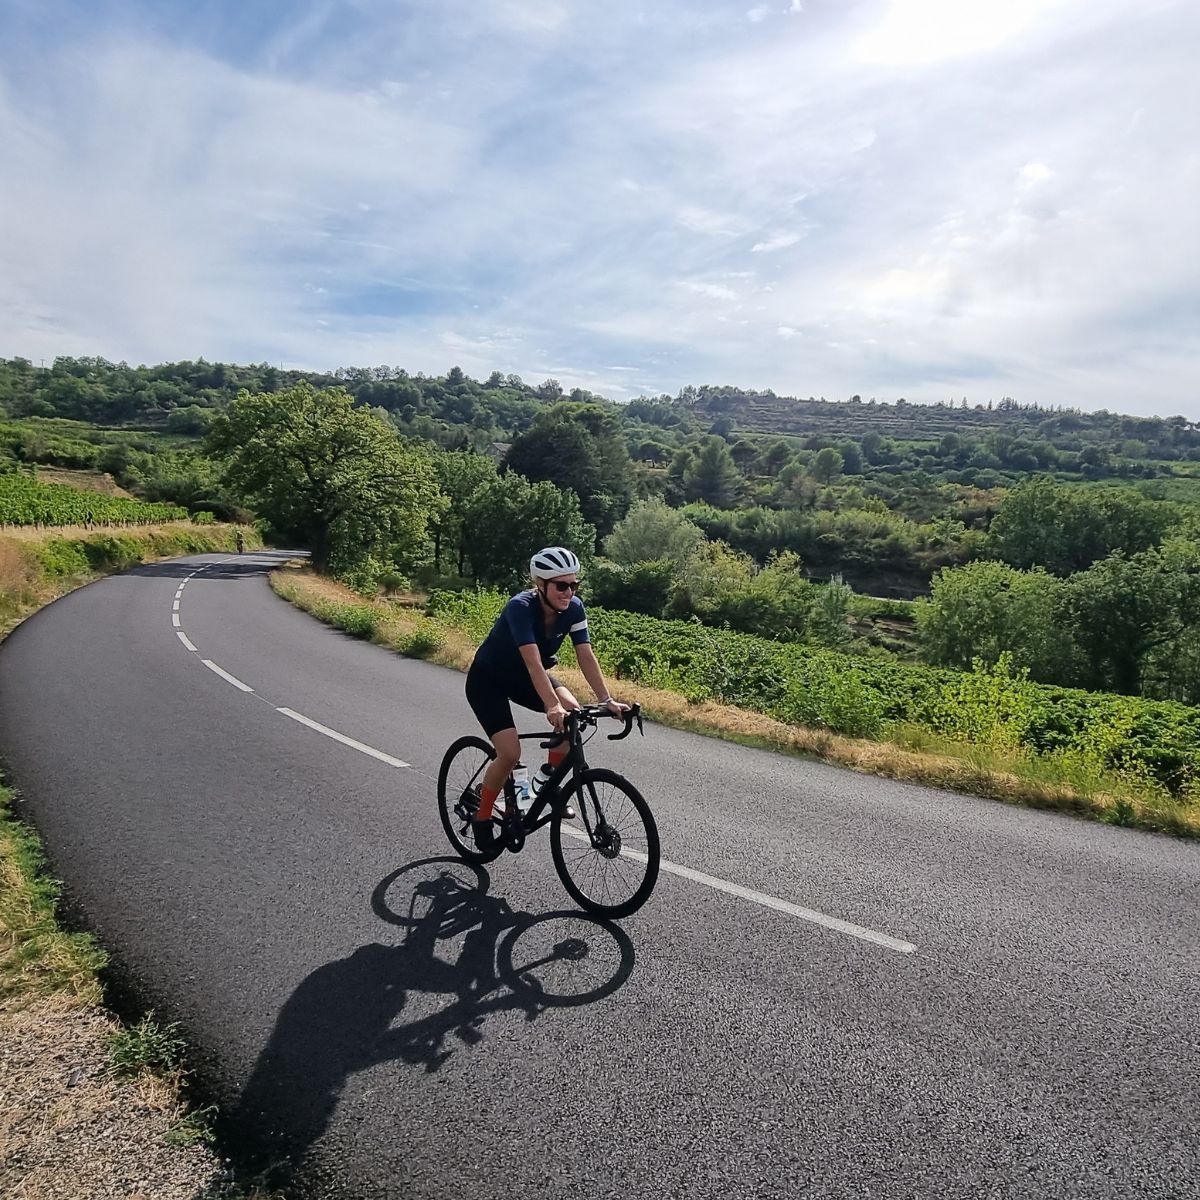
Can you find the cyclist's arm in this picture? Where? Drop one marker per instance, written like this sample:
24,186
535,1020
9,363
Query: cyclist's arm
586,657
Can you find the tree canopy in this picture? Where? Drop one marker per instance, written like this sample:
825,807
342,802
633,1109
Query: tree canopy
327,473
1065,529
652,530
509,519
581,447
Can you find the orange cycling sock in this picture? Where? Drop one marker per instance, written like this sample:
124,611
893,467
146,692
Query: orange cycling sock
487,798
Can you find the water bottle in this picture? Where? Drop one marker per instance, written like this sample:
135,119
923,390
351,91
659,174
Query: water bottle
539,780
520,777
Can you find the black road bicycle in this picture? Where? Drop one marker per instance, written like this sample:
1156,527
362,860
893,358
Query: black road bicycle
607,858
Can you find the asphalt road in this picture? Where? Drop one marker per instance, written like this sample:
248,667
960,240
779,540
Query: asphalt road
1026,1022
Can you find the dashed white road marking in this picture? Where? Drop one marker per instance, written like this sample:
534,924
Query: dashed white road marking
183,637
212,666
175,620
341,737
175,606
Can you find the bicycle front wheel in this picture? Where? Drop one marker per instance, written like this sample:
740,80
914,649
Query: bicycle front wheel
608,859
458,786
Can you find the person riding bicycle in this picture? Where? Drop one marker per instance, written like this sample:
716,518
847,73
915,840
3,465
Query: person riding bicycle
511,665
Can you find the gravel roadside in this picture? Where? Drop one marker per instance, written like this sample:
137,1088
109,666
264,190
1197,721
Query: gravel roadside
71,1130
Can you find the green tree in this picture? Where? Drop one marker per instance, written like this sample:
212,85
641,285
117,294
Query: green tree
1122,609
982,610
712,475
581,447
1066,528
510,519
775,457
652,530
323,471
460,475
827,465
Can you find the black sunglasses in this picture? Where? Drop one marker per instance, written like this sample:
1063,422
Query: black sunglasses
563,586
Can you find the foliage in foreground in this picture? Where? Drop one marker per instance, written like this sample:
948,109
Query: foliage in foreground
1154,745
36,956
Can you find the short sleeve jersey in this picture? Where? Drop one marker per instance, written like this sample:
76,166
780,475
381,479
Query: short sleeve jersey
521,624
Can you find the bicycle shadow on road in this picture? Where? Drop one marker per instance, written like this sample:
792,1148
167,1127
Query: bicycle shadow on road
469,951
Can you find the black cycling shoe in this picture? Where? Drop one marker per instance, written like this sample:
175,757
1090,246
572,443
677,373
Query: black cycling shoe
484,833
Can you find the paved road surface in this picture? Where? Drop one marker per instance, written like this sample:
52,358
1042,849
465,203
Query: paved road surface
1006,1005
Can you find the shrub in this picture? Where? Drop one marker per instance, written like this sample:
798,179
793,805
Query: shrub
422,642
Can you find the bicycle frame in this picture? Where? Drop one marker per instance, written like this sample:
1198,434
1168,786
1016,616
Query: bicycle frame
548,799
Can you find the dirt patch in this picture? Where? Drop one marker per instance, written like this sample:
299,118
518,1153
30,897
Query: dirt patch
83,481
69,1129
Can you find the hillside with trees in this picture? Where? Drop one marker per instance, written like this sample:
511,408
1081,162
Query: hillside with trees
1062,543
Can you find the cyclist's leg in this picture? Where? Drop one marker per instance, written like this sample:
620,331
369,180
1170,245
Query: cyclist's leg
508,754
486,696
525,694
556,753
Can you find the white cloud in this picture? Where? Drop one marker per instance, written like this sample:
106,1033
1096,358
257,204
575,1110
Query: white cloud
713,291
1001,209
778,241
922,32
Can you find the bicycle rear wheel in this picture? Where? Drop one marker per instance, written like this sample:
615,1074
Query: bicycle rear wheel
608,859
459,781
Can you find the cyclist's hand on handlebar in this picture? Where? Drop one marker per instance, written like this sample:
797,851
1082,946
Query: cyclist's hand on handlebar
556,715
616,707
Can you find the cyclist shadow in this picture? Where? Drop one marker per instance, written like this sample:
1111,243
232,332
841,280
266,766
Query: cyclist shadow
465,956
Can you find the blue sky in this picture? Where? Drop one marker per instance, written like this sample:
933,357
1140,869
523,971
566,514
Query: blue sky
921,198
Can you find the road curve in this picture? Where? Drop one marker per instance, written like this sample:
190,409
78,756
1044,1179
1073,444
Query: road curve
851,987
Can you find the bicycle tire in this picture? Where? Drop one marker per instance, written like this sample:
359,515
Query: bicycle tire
462,767
583,874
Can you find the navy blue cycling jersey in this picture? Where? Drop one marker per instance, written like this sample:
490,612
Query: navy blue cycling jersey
522,624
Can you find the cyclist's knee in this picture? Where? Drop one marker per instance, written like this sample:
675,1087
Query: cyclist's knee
508,748
507,761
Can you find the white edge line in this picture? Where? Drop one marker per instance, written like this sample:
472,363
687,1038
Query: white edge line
783,906
175,619
341,737
212,666
183,637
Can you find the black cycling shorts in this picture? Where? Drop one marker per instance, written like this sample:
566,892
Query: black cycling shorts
489,694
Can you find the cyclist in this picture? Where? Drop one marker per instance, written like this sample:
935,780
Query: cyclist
511,665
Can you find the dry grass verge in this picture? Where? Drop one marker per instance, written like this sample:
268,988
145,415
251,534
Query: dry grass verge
941,764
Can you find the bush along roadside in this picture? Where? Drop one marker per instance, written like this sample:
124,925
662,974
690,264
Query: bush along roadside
989,732
91,1107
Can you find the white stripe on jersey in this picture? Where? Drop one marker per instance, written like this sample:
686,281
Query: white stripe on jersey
578,628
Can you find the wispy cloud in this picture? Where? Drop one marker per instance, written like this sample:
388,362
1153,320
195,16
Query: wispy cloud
881,197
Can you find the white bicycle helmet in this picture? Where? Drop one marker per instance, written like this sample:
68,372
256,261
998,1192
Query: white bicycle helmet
552,562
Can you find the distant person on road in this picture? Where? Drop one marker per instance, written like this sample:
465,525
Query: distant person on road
511,665
240,539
